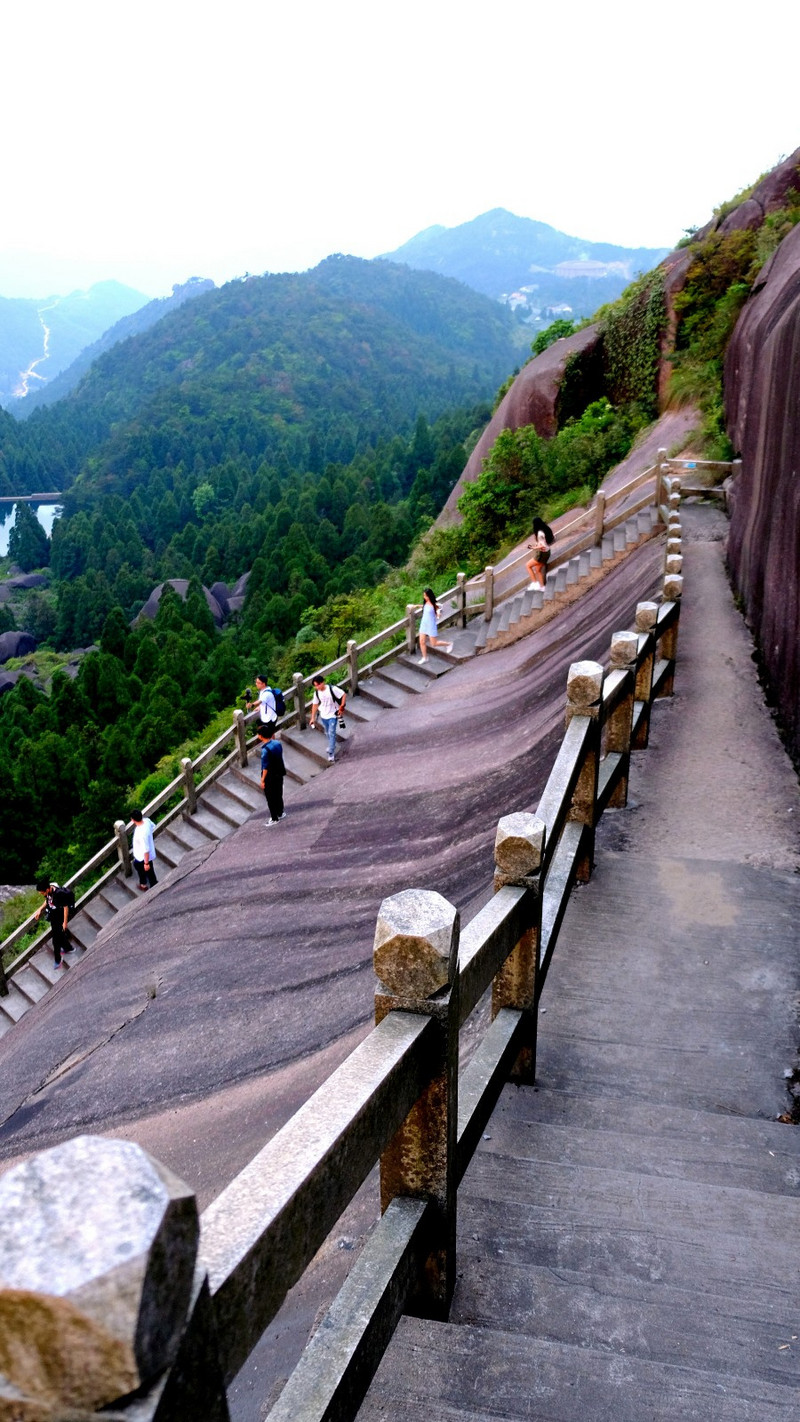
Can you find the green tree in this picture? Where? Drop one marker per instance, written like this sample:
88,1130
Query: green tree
28,544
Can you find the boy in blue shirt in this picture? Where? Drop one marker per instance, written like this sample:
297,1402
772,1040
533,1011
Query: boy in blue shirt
272,772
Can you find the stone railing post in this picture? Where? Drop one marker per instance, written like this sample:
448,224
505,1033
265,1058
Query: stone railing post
98,1245
661,469
352,664
584,698
624,646
599,517
123,848
518,850
646,616
189,788
411,628
668,644
299,692
488,592
241,735
461,599
416,962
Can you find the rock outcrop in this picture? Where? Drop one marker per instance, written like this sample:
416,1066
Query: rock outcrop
16,644
762,378
531,400
181,586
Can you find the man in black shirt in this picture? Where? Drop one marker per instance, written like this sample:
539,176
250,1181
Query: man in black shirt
56,909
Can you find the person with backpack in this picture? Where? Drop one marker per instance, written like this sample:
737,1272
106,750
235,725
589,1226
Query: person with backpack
144,850
543,538
270,701
273,771
57,906
328,703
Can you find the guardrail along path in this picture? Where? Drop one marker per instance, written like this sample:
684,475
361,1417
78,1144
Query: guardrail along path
627,1229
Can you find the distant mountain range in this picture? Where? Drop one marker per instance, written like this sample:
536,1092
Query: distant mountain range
533,268
133,325
296,370
41,336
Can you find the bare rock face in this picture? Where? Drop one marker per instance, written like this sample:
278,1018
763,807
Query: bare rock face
762,377
97,1251
531,400
16,644
181,586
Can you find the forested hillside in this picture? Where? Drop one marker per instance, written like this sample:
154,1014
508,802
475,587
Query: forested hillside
299,429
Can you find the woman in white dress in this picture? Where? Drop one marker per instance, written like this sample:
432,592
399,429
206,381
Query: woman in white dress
429,626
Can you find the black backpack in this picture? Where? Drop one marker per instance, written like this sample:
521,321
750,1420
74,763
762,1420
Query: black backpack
64,898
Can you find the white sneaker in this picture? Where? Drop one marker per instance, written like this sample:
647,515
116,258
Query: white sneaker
331,759
532,587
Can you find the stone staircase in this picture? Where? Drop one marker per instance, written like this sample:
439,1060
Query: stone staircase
221,809
518,615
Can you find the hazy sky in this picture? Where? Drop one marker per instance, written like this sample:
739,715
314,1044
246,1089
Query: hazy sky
159,140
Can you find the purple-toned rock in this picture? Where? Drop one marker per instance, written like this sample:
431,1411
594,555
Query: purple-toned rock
181,586
531,400
239,588
773,190
748,214
220,592
29,580
762,377
16,644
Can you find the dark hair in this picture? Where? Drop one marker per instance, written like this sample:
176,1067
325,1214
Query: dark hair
136,816
431,595
539,526
43,884
318,679
259,677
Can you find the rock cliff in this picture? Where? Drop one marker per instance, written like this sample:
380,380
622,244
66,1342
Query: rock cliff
762,382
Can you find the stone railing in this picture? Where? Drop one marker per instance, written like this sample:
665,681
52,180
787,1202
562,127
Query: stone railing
465,599
180,1316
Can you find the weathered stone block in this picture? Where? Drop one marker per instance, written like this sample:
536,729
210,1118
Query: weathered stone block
674,563
624,647
97,1252
584,683
416,943
673,587
646,614
518,845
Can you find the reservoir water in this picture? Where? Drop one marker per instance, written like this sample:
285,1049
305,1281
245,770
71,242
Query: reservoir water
46,514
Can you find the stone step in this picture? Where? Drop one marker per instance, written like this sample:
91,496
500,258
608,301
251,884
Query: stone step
473,1374
119,891
98,911
711,1147
631,531
32,982
225,807
573,571
382,692
304,752
169,849
16,1003
361,711
245,788
243,799
83,930
406,677
206,818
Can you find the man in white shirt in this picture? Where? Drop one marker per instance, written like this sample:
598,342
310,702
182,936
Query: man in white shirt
327,703
266,703
144,850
